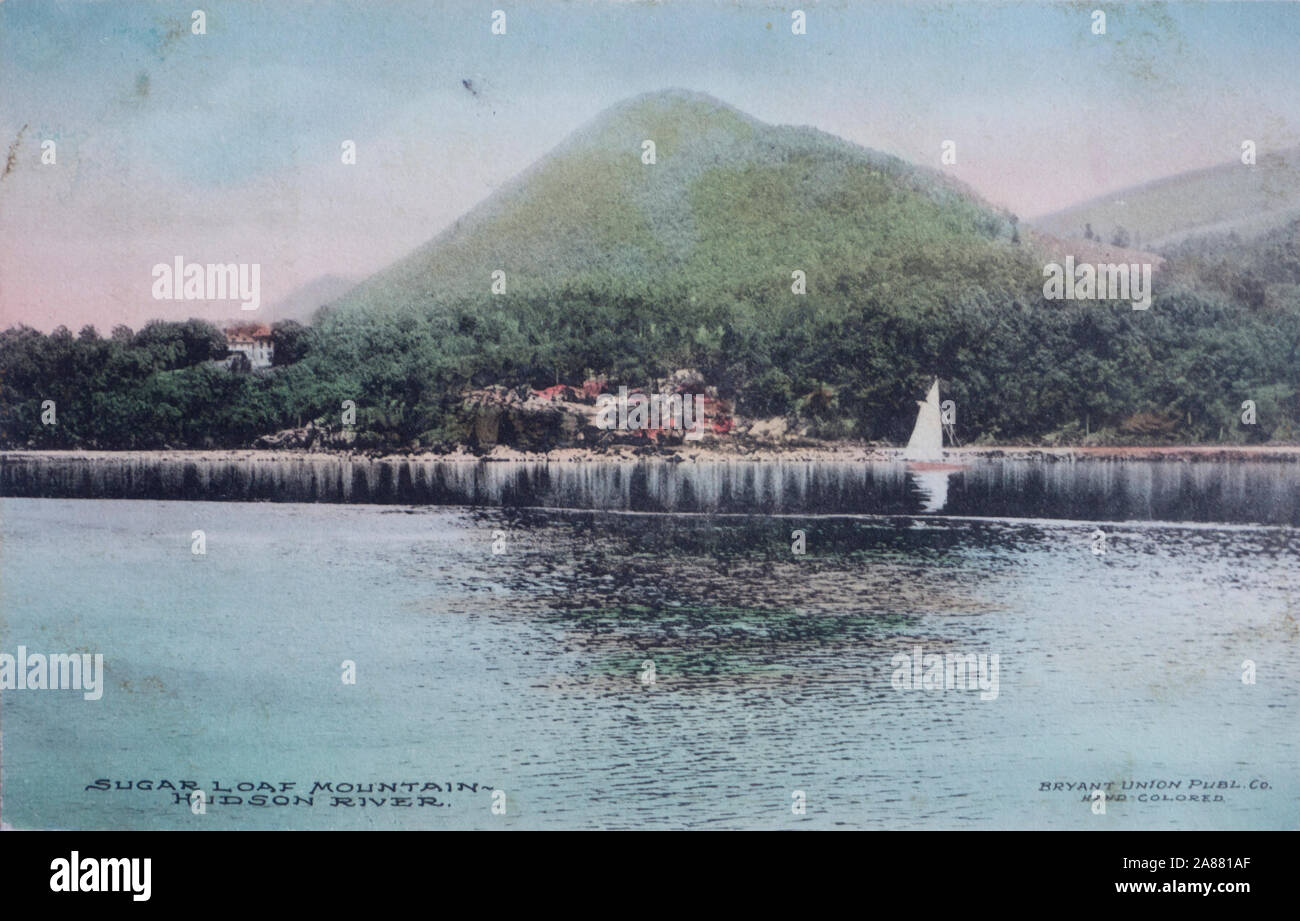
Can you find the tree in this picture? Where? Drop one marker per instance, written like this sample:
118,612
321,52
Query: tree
291,341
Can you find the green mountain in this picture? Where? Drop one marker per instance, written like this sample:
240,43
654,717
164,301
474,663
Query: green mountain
730,202
1246,200
629,269
632,269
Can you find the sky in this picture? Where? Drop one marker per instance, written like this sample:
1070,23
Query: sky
225,147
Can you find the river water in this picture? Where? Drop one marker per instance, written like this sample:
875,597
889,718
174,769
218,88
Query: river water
607,668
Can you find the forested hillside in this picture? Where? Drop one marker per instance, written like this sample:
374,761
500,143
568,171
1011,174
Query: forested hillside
629,269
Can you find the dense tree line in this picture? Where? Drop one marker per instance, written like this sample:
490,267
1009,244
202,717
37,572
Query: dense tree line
848,358
164,385
851,355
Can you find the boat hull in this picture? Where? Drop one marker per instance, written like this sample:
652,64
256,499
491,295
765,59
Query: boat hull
930,466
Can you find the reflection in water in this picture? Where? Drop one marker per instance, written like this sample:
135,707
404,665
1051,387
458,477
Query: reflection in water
1265,492
727,601
933,487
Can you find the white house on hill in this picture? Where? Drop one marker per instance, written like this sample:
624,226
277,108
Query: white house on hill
253,341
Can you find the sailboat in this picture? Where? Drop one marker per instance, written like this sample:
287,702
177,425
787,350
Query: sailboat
924,454
924,449
926,444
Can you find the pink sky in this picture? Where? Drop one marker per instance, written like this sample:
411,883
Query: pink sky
225,148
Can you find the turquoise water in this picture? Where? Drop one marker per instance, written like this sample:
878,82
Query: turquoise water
522,670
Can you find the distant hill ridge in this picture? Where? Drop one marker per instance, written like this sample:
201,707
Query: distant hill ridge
1232,197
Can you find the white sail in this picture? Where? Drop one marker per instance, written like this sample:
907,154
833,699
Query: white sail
926,443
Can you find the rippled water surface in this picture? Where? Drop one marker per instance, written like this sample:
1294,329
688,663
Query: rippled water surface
525,670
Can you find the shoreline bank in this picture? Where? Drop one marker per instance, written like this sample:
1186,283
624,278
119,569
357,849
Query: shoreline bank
711,453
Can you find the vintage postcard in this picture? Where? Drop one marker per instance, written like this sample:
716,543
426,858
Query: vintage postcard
616,415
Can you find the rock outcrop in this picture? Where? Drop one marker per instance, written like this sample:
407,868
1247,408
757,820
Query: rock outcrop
525,420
